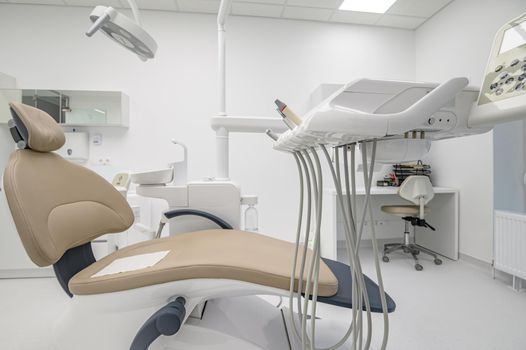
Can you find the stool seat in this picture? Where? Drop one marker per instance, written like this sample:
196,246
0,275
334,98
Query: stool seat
403,210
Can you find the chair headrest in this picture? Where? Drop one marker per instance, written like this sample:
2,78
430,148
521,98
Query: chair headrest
36,128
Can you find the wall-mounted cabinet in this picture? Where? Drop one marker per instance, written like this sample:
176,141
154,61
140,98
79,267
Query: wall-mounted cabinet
72,108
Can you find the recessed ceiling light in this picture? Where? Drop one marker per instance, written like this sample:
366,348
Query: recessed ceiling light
375,6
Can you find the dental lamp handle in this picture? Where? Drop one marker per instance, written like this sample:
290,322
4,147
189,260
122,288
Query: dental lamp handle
106,17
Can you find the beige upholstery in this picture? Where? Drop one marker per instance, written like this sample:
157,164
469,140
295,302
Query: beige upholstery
223,254
58,205
403,210
43,133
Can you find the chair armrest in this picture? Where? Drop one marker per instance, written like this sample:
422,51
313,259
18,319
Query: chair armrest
193,212
184,212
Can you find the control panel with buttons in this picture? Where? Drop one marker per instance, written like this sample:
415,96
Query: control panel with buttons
506,72
441,120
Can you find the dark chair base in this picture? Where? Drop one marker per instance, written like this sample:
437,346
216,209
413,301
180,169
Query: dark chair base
410,248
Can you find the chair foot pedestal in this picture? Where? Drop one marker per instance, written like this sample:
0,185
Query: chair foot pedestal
166,321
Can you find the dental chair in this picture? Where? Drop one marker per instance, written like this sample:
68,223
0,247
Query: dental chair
418,190
60,207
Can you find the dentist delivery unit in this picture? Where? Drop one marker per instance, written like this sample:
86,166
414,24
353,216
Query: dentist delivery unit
143,296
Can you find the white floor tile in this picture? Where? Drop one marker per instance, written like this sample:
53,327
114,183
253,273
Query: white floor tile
455,306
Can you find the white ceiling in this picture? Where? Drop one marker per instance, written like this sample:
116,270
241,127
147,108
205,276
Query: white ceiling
407,14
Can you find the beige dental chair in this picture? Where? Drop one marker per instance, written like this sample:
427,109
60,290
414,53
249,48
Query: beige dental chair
418,190
60,207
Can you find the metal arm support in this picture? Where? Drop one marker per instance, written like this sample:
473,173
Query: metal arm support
418,222
183,212
72,262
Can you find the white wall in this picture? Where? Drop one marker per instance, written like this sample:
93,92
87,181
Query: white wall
11,250
175,94
456,42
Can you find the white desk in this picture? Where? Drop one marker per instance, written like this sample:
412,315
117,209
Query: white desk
443,216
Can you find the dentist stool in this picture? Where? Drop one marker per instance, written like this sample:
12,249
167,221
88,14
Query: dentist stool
418,190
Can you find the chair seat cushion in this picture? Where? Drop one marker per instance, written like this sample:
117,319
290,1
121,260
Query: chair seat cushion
217,254
403,210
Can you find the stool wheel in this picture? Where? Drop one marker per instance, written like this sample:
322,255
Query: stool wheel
438,261
419,267
385,258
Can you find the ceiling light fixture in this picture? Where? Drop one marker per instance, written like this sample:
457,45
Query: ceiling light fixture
374,6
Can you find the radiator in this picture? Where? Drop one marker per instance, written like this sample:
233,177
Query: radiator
510,243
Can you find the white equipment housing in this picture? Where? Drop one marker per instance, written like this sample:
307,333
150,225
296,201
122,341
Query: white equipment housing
404,112
408,114
220,198
503,94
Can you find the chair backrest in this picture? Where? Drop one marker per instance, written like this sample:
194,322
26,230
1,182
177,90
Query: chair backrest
56,205
417,189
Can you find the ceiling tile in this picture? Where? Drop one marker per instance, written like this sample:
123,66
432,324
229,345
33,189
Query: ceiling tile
261,10
417,8
205,6
307,13
165,5
328,4
278,2
90,3
401,21
42,2
355,17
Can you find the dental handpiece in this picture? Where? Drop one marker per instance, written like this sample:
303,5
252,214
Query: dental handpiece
271,134
288,113
286,120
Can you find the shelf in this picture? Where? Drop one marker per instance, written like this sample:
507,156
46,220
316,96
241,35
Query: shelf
72,108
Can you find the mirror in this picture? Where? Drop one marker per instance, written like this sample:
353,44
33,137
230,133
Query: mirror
71,107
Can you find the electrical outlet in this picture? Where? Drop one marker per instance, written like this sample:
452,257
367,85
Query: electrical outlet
104,161
96,139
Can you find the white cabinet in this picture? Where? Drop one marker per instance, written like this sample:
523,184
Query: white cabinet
72,107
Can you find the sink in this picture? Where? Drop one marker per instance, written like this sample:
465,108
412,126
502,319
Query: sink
176,196
153,177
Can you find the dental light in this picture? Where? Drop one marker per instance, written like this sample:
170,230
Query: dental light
125,31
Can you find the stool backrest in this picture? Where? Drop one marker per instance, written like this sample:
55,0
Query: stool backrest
418,190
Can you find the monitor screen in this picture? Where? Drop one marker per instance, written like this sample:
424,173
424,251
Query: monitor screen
514,37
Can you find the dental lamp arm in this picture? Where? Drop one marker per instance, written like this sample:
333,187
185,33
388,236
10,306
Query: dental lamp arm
135,11
137,17
224,7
